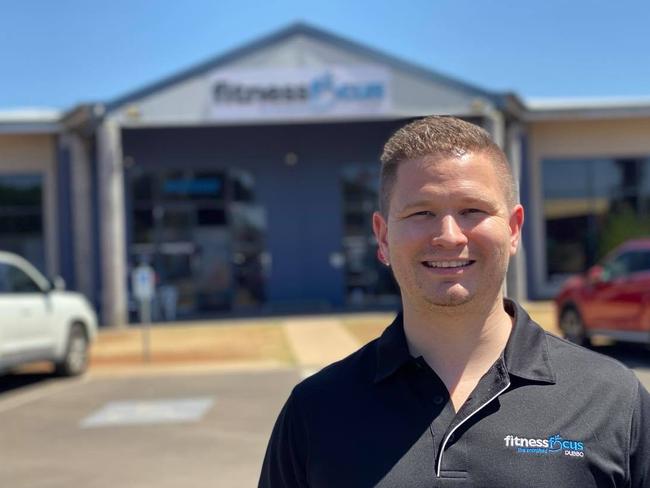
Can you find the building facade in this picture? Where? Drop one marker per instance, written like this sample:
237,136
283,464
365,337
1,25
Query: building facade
248,182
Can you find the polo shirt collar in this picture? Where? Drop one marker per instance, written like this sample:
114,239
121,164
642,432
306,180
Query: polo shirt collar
525,355
392,349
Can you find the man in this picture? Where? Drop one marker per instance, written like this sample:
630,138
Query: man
463,389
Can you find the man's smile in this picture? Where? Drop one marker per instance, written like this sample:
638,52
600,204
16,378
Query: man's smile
449,264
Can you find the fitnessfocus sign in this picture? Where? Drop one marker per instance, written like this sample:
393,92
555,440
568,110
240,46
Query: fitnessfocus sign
299,93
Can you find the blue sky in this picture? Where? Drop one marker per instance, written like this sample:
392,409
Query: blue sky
58,54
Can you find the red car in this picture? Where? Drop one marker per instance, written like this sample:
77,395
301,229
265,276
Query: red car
611,299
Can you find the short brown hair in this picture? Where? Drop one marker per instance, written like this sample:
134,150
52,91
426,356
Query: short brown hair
440,136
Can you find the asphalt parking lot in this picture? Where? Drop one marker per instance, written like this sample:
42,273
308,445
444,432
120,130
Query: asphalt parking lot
158,429
206,429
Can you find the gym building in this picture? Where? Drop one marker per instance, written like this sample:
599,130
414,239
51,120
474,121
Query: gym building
248,182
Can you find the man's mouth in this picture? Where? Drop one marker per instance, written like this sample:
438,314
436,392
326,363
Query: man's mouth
451,264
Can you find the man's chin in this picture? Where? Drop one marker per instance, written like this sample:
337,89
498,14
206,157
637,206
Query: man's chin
451,298
451,302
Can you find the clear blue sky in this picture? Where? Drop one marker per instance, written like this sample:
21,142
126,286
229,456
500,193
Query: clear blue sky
60,53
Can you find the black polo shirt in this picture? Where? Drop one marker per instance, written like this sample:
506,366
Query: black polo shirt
547,414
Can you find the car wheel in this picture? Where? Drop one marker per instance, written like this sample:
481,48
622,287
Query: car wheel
573,328
75,360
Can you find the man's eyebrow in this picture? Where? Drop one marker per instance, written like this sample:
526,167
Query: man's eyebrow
477,200
465,201
416,203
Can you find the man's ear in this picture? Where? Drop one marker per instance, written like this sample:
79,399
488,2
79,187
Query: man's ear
516,223
380,228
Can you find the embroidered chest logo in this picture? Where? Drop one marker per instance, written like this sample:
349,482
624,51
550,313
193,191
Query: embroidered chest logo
554,444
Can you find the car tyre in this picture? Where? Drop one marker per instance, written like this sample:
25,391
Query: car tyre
573,327
75,360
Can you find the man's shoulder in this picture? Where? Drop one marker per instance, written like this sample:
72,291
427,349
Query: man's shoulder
352,373
582,364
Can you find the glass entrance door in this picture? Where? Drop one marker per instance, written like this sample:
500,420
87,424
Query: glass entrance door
203,232
368,282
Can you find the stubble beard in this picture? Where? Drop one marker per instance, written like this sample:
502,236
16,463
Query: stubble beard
451,301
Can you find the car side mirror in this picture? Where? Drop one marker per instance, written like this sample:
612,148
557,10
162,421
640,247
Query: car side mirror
58,283
596,274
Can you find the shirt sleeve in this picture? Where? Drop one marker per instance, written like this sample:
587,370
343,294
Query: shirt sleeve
640,441
285,461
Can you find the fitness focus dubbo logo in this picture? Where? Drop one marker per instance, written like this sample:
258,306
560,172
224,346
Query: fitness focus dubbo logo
300,91
554,444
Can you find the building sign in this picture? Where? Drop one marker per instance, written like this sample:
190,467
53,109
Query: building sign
300,93
209,187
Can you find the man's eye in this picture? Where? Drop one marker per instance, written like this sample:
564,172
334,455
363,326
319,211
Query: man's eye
473,211
425,213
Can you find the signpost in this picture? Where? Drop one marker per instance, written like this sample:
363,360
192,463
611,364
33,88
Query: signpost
143,282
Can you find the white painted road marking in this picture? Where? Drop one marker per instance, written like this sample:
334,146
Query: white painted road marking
148,412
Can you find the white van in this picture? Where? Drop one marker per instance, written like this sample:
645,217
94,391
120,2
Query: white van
39,321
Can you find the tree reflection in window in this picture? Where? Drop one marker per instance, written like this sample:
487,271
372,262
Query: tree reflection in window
590,207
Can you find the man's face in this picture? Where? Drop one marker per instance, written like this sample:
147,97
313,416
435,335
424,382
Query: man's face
449,233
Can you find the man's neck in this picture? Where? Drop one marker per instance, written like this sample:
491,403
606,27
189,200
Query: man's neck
459,343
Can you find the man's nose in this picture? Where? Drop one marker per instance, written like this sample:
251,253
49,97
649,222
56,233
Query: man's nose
450,234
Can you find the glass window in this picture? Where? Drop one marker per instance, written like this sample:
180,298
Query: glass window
188,185
636,262
248,230
243,187
627,263
619,266
590,207
143,225
20,190
143,187
211,217
177,224
15,280
644,261
203,232
4,283
367,280
21,216
248,224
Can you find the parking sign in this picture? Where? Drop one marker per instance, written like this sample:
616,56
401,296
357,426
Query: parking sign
143,281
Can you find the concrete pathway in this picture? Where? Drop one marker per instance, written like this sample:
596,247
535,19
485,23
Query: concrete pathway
318,342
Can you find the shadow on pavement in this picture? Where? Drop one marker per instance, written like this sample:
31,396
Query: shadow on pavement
632,355
14,381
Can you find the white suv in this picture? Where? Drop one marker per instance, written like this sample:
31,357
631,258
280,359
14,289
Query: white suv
41,322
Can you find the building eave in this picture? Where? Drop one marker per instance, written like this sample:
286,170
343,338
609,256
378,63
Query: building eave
30,121
586,109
